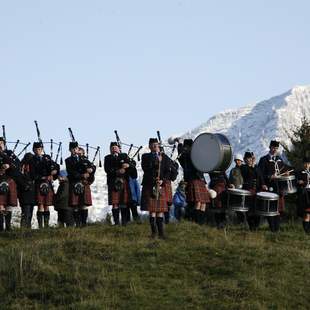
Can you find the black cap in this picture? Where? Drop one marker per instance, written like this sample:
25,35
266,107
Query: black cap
73,145
188,142
37,145
306,159
153,140
248,155
2,139
274,143
113,144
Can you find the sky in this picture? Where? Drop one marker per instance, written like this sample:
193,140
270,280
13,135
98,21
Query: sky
140,66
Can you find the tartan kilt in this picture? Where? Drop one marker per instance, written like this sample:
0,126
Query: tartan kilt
169,192
10,198
119,198
84,199
196,191
220,189
46,200
153,205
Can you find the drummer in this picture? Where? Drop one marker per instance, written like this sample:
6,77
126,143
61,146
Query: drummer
303,183
197,195
253,182
236,180
271,167
219,182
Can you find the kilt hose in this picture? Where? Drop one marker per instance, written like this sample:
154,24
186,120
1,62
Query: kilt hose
9,198
196,191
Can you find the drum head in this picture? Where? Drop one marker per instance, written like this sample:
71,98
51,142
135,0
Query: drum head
267,196
211,152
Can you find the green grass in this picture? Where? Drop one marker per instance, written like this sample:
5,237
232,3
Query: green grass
104,267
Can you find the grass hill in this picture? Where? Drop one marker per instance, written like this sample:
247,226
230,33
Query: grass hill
104,267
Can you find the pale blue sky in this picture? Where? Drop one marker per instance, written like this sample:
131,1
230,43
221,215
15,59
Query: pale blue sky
103,65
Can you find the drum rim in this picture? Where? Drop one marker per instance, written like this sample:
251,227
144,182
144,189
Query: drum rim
286,178
275,198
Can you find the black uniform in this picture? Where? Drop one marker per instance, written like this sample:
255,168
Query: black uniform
118,184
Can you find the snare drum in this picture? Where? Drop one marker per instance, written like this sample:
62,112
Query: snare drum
267,204
287,184
237,200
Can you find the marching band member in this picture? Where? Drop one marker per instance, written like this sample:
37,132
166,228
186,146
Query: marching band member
43,170
197,194
156,168
303,183
253,182
81,174
119,169
9,166
271,166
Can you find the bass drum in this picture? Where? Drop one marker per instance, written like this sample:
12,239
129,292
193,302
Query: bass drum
211,152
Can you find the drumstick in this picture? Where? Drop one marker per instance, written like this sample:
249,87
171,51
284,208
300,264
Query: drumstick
280,175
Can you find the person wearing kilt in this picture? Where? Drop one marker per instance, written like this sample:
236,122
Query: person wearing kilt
81,174
219,183
271,165
197,195
44,170
119,168
156,168
9,165
26,191
303,183
253,182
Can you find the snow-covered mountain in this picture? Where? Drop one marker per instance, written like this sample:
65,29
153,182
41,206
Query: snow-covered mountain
252,127
248,128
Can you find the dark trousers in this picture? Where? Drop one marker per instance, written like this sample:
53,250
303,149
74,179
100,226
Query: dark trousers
134,211
65,217
26,218
274,223
80,217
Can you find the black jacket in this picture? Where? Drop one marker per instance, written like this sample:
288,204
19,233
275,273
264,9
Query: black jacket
150,166
112,163
8,157
77,166
252,178
61,201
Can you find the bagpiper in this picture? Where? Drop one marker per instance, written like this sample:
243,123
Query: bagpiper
81,174
156,168
9,167
119,169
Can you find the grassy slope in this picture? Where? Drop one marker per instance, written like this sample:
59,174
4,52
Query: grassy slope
103,267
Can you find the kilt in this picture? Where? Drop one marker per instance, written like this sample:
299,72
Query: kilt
119,198
45,200
151,204
169,192
220,189
10,198
196,191
84,199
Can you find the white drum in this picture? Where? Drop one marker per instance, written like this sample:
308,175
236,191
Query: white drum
211,152
287,184
267,204
238,200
